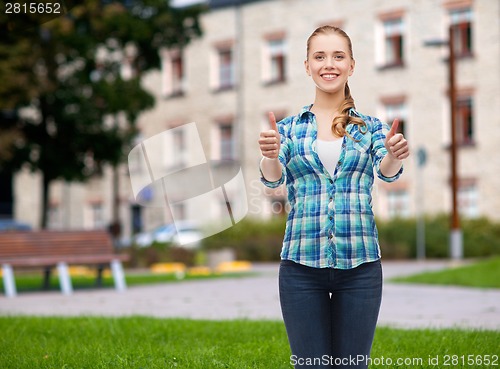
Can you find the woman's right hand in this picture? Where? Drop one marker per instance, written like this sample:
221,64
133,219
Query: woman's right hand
270,140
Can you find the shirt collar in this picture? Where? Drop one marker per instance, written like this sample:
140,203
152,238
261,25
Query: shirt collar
307,109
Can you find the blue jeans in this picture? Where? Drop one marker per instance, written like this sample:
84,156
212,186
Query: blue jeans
330,314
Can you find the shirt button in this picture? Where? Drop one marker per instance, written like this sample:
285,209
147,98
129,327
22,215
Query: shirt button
330,217
330,180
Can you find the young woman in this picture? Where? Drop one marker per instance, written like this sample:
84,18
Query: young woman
330,278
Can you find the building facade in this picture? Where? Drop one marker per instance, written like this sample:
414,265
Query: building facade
250,61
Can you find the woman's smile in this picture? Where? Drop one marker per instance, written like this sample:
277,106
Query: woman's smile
329,76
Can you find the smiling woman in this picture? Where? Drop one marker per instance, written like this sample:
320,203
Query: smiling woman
330,278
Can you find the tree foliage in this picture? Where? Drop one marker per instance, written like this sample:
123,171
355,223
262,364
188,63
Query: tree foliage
67,107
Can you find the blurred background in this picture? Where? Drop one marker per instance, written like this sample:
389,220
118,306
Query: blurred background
81,89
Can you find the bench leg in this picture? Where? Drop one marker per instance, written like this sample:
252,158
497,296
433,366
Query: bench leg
64,279
118,275
100,270
46,278
9,283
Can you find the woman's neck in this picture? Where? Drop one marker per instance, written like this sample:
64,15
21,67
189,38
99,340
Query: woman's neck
324,102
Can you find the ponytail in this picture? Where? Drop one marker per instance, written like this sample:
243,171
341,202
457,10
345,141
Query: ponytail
341,121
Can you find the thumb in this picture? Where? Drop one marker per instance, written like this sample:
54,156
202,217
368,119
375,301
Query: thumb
272,121
394,128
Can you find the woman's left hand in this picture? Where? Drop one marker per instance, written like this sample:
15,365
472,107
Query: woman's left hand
396,144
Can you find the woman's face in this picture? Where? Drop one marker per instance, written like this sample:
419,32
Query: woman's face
329,62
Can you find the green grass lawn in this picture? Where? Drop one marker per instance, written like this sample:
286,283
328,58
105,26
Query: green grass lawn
482,274
139,342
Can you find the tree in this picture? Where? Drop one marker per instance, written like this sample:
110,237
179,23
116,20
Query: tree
75,110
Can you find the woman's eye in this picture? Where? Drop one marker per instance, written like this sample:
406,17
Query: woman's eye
320,57
339,57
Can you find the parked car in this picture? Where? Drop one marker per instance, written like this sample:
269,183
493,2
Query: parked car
13,225
183,233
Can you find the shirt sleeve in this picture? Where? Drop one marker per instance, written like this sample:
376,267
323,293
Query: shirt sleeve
379,151
284,154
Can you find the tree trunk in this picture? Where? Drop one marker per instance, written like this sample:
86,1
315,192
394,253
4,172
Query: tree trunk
45,201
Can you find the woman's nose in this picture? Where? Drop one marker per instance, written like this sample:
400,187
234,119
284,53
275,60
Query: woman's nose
329,62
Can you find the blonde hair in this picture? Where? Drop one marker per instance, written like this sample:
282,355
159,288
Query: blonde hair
341,121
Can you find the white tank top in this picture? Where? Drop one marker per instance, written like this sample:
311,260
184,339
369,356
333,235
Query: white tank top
329,153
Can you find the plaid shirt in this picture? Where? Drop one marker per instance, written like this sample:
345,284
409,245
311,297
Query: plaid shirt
331,222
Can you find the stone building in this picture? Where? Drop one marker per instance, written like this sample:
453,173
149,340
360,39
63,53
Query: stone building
250,61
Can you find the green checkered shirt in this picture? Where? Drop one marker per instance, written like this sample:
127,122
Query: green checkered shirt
331,222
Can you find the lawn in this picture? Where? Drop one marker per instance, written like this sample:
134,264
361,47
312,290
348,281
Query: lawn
140,342
481,274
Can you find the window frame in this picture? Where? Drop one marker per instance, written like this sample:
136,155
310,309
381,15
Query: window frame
275,59
461,23
391,40
226,69
174,84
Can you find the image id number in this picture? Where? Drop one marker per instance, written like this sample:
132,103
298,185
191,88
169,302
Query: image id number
33,8
477,360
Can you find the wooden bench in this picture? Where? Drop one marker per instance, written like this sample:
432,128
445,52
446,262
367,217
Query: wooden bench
58,249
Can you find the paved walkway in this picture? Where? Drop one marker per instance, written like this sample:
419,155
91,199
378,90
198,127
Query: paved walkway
256,297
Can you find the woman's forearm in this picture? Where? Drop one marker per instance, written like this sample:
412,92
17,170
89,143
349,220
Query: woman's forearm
390,166
271,169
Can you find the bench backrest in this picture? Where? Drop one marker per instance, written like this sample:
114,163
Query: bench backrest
54,243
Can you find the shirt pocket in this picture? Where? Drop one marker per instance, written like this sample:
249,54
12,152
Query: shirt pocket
361,142
304,155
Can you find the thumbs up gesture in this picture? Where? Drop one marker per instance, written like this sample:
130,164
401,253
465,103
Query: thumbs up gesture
395,143
270,140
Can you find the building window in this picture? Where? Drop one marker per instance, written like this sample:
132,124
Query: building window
177,75
226,75
54,217
468,200
398,204
396,109
98,221
464,121
275,66
179,140
393,42
179,146
178,210
461,24
226,141
173,73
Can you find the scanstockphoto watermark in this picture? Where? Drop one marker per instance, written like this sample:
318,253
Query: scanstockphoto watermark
354,361
171,170
447,360
262,200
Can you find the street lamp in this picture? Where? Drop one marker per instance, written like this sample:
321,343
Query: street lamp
456,247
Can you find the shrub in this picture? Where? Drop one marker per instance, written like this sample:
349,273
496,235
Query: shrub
143,257
261,240
481,237
251,239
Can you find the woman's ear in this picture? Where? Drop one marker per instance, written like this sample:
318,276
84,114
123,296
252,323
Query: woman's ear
306,65
351,69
